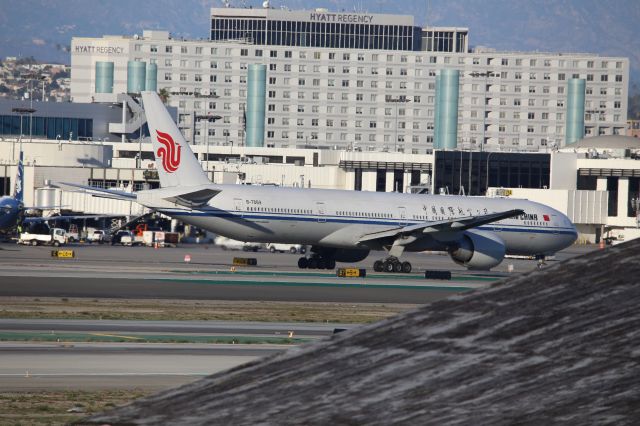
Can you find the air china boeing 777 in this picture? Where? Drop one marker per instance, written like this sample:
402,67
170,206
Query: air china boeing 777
344,226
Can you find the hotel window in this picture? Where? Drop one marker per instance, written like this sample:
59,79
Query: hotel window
168,49
153,48
183,49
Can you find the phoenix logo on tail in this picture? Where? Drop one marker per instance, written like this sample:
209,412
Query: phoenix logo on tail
169,152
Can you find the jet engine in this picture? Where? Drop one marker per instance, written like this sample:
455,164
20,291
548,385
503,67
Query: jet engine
479,250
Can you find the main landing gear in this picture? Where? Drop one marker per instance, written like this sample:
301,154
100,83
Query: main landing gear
392,264
316,262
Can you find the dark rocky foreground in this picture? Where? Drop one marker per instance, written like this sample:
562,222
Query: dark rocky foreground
559,345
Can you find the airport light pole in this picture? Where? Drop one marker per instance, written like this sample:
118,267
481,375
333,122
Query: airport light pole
21,113
486,189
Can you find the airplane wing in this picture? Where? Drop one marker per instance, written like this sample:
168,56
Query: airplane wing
451,225
104,193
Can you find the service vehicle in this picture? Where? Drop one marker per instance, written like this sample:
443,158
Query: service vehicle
56,237
228,244
98,236
282,248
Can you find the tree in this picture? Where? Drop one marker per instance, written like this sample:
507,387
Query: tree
164,95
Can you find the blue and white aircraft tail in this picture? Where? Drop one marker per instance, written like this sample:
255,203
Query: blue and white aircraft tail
12,207
344,226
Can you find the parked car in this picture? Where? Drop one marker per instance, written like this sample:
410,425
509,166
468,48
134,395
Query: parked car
291,248
228,244
98,236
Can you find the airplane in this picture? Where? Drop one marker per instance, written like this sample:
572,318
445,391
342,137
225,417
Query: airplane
340,225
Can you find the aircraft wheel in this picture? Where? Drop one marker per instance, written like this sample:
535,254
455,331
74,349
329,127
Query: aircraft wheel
313,263
387,266
378,266
397,266
331,264
406,267
322,263
303,263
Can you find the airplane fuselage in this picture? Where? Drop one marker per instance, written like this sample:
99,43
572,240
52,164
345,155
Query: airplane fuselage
338,218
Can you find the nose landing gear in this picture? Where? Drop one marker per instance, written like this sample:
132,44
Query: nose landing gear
392,264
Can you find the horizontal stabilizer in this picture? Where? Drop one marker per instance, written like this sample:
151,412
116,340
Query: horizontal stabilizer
450,225
190,199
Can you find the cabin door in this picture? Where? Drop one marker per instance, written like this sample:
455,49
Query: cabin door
402,214
238,206
321,212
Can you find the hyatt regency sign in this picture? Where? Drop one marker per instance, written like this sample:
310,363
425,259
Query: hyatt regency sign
104,50
341,17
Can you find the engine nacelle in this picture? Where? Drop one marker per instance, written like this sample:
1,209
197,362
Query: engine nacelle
342,255
479,250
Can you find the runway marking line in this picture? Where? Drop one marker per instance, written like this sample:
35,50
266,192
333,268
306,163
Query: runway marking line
355,284
117,336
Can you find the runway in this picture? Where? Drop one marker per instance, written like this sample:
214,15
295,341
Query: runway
91,366
141,272
134,328
68,357
33,365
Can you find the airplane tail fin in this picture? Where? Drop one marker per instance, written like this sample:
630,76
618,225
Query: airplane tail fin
18,189
176,163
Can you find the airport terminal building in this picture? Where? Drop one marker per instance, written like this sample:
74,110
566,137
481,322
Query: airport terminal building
353,80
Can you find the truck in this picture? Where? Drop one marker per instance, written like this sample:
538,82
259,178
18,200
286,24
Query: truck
98,236
161,238
55,237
